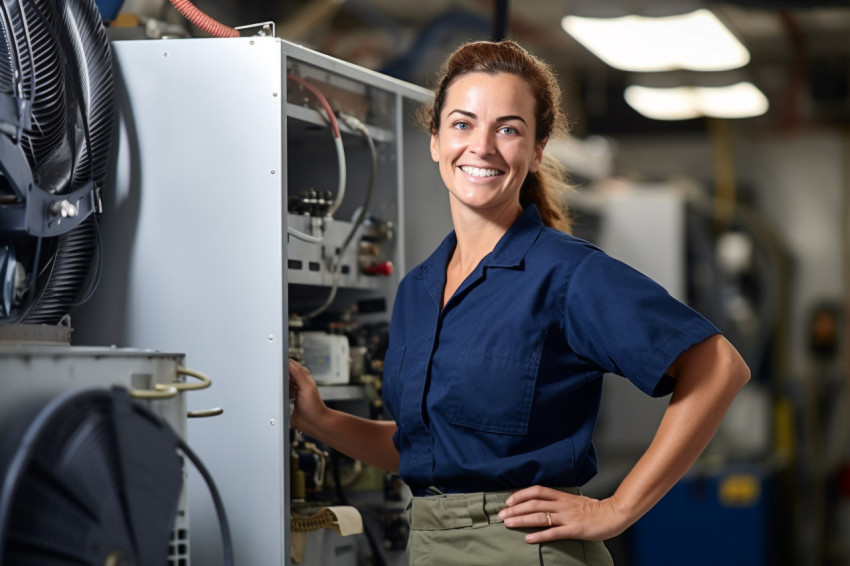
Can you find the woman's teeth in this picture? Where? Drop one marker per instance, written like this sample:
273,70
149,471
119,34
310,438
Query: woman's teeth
478,172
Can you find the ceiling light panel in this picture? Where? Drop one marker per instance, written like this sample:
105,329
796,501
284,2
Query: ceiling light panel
697,41
741,100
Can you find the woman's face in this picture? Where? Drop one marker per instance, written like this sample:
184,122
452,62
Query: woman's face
485,146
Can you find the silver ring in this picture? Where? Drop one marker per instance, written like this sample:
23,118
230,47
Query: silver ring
549,518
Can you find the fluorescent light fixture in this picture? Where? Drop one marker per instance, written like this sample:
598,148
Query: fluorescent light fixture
740,100
697,41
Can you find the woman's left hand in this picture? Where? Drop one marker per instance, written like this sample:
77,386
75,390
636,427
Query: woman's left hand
560,515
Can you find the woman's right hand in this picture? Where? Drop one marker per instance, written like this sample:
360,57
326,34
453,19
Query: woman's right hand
370,441
309,409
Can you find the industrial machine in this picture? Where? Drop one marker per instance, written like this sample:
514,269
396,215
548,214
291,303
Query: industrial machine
89,472
733,492
264,194
90,455
55,129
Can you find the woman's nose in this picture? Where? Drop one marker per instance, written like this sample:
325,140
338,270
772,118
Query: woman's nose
483,143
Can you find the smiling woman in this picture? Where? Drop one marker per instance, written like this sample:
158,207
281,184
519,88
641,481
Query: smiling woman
487,148
499,342
546,186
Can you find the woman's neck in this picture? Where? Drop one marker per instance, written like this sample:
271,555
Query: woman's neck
477,234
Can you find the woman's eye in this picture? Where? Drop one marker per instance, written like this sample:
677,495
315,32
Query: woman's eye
461,125
509,130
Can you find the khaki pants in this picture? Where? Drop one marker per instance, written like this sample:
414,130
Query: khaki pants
465,530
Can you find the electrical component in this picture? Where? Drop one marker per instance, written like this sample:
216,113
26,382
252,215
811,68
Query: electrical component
327,356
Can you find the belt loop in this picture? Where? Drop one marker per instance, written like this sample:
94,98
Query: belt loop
475,508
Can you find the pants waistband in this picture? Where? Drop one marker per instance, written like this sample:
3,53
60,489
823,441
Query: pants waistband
458,510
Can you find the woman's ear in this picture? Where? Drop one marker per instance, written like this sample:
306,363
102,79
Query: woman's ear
538,155
435,149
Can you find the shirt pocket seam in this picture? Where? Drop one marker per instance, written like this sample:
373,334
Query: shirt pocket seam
512,420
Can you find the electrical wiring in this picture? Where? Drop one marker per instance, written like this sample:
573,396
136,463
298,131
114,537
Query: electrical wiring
224,526
324,519
304,237
359,127
79,411
340,150
31,292
322,100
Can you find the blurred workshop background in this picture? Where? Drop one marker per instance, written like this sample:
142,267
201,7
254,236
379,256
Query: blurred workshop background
726,179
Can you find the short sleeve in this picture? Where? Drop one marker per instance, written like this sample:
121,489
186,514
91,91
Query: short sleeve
628,324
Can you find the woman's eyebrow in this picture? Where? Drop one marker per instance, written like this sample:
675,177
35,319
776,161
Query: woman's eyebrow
499,119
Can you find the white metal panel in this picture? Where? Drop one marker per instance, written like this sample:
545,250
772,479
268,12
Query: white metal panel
205,263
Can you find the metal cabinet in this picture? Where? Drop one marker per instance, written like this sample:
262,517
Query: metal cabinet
215,139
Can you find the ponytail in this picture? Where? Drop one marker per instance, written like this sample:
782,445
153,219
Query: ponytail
547,188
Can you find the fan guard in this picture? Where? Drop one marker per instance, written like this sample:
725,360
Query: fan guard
56,128
95,479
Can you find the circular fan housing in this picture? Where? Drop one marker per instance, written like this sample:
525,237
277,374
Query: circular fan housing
94,479
56,127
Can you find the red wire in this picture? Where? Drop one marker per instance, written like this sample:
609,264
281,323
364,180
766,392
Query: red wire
203,21
324,101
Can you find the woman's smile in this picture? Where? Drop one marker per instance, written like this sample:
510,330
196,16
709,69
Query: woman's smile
486,144
480,172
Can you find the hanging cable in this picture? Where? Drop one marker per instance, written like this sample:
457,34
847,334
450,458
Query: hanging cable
221,515
359,127
30,294
304,237
340,152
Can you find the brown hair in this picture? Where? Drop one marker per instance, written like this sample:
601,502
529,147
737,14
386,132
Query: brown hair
547,185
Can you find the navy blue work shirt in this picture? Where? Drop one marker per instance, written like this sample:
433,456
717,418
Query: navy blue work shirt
500,389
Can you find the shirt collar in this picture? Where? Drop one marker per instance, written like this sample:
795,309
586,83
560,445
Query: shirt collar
509,251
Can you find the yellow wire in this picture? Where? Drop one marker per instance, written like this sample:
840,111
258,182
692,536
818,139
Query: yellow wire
324,519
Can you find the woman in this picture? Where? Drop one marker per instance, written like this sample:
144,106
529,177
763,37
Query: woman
499,341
